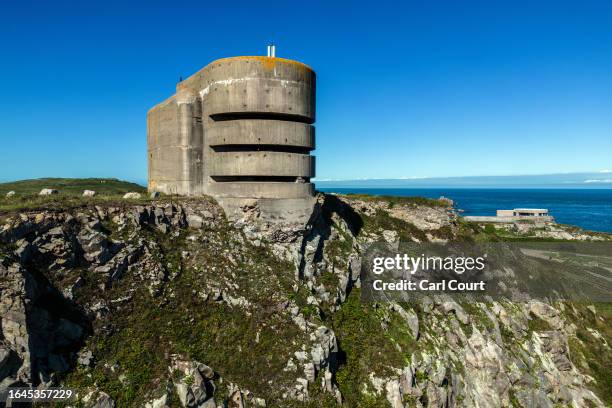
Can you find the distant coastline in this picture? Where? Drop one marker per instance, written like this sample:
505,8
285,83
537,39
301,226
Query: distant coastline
590,209
585,180
590,180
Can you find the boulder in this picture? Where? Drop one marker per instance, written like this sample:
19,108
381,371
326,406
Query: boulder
394,394
85,357
547,313
48,191
452,306
10,194
390,236
161,402
96,246
195,221
132,195
195,387
103,400
236,400
89,193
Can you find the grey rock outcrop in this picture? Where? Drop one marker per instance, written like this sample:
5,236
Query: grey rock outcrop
194,385
104,401
67,275
34,338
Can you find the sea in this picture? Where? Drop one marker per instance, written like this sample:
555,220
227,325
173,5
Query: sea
590,209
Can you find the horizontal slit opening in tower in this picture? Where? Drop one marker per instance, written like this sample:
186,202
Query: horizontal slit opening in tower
218,117
261,148
261,179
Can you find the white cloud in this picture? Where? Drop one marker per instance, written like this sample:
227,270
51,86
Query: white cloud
373,178
598,181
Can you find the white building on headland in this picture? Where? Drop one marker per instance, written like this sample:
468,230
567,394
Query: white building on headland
523,212
517,214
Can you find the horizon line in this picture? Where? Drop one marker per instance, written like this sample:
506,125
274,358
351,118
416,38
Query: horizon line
407,178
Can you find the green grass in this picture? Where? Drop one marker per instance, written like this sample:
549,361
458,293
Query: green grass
71,186
61,203
381,220
590,354
26,196
536,324
366,348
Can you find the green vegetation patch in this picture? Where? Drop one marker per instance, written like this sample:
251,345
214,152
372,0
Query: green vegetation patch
133,346
366,347
72,186
591,354
395,200
69,195
383,221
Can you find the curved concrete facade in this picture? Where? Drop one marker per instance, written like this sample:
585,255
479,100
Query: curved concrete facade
258,115
261,132
269,190
241,127
259,85
264,163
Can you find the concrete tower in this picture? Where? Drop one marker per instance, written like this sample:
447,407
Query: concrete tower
239,130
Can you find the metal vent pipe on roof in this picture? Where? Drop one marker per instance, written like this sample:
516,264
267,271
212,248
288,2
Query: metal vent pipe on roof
272,51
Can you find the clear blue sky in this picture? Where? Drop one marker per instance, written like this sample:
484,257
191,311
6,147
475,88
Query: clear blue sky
404,89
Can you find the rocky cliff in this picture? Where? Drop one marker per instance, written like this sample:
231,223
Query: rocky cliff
169,303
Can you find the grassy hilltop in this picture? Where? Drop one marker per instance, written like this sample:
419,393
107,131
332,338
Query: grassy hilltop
70,192
71,186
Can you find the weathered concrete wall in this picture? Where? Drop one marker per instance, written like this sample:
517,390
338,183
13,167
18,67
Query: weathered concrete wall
164,149
261,132
175,140
239,128
260,85
271,190
265,163
257,123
